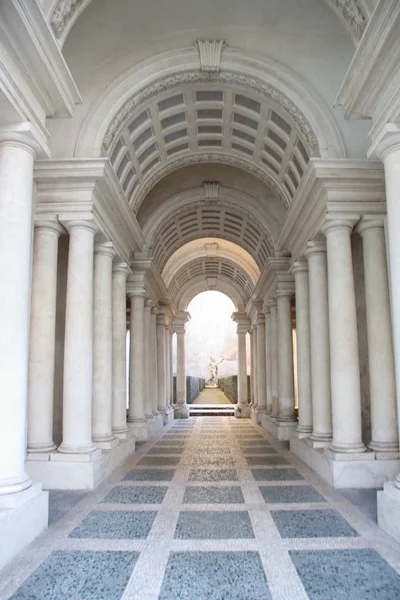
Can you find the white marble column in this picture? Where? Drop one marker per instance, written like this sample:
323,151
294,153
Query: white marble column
300,272
161,363
16,177
243,324
102,346
274,358
148,406
119,424
267,313
136,415
261,365
167,368
171,367
382,388
255,365
320,352
154,359
42,336
182,410
345,370
78,343
251,367
285,355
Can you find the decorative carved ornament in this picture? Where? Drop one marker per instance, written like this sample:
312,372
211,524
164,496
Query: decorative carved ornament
64,13
210,54
222,77
353,15
211,192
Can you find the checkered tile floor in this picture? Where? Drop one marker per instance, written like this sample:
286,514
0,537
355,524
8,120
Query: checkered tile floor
213,509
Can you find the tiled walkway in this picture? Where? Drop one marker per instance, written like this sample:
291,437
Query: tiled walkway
211,510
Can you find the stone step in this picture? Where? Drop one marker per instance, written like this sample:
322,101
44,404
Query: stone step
197,410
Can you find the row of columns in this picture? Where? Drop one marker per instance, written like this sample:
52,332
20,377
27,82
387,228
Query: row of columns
327,340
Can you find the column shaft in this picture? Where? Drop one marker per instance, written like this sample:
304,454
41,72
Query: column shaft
251,368
285,358
102,345
274,359
380,347
148,406
242,368
119,425
255,365
78,343
136,370
16,177
42,337
161,370
268,359
154,363
167,368
300,271
261,365
320,352
345,371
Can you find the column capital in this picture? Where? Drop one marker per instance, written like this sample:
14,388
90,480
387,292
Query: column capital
241,318
77,224
134,288
299,266
339,225
272,303
148,303
180,320
161,319
154,310
105,249
49,225
260,318
315,247
386,142
122,268
285,288
370,223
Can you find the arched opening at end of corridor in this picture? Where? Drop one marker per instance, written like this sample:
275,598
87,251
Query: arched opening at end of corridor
211,350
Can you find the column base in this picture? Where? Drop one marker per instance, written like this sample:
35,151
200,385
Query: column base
140,430
122,434
242,411
106,444
281,430
181,411
155,426
255,415
167,415
384,450
345,470
59,471
23,517
42,447
389,510
302,431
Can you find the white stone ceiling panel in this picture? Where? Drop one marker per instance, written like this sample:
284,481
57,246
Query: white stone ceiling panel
206,118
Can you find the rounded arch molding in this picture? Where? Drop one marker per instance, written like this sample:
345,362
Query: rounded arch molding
199,285
227,197
170,69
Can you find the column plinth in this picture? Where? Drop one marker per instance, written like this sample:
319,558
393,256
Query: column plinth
300,272
78,345
384,430
345,371
119,387
320,352
42,337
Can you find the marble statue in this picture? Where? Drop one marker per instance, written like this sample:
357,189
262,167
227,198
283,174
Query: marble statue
213,366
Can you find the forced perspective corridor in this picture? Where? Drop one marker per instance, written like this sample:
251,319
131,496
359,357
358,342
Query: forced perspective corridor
210,509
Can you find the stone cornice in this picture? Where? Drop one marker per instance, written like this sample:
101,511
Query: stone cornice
35,74
368,90
266,286
88,189
145,269
331,189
